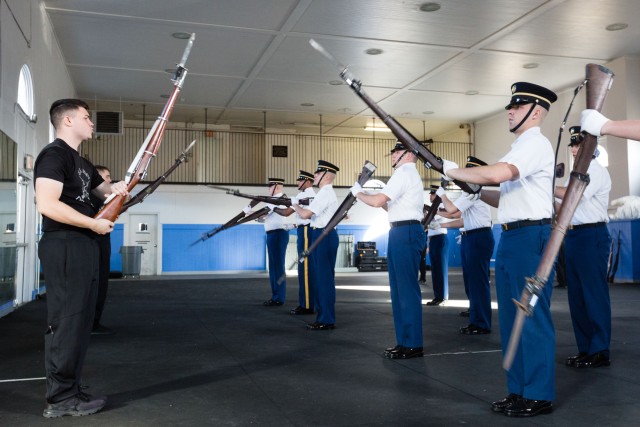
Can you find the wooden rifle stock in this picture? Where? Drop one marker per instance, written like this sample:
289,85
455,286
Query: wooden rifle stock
139,166
599,80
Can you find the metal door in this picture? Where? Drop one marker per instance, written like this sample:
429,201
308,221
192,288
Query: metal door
143,231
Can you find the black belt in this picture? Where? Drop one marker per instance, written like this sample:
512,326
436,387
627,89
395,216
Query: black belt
525,223
589,225
277,229
475,230
401,223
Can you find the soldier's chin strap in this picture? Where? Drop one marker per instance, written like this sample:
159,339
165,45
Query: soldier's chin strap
322,177
399,158
533,105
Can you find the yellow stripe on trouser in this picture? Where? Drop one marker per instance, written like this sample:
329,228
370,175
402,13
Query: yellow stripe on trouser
306,269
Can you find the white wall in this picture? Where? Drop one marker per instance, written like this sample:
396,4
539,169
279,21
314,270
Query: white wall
51,81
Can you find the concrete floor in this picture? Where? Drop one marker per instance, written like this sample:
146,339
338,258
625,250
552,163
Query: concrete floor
203,351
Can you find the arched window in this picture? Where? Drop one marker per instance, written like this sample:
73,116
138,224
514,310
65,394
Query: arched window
25,92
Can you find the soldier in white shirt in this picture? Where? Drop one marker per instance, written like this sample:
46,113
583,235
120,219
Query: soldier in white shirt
587,244
476,249
403,199
525,205
438,243
305,298
322,261
277,241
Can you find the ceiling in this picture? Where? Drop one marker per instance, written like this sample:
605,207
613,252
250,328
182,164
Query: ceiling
252,63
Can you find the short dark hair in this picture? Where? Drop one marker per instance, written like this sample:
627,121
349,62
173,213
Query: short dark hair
60,107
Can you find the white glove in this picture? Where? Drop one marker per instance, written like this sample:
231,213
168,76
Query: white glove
434,225
289,226
591,121
294,201
440,192
246,209
459,239
473,196
447,165
357,188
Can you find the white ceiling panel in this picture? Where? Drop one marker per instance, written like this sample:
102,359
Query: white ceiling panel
403,21
251,56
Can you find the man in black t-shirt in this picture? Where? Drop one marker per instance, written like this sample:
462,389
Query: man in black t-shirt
69,255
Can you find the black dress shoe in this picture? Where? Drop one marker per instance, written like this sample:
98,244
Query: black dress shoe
387,350
301,310
472,329
405,353
501,405
435,301
272,303
528,408
571,361
594,361
317,326
464,313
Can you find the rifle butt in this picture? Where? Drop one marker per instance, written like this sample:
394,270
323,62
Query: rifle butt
599,81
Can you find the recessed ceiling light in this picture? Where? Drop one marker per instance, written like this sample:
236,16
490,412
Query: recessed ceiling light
617,26
373,51
530,65
181,36
430,7
335,82
471,92
307,104
344,110
427,112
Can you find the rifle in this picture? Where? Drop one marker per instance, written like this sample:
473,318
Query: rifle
431,212
143,194
598,82
284,201
138,168
367,171
429,159
231,223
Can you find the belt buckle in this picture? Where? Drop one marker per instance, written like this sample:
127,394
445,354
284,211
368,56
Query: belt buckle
505,227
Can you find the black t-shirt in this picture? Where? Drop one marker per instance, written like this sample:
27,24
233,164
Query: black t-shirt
78,176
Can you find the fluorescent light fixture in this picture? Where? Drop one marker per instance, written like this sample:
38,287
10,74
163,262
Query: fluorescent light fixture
377,129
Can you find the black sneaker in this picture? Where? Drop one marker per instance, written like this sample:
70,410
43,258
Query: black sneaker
79,405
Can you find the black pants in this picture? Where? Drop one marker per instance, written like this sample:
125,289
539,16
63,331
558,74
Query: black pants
104,243
70,266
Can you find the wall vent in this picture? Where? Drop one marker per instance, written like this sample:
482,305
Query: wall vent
107,122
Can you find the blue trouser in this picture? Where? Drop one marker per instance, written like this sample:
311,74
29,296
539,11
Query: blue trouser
533,369
70,265
305,295
406,244
323,264
439,257
277,241
475,253
586,257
